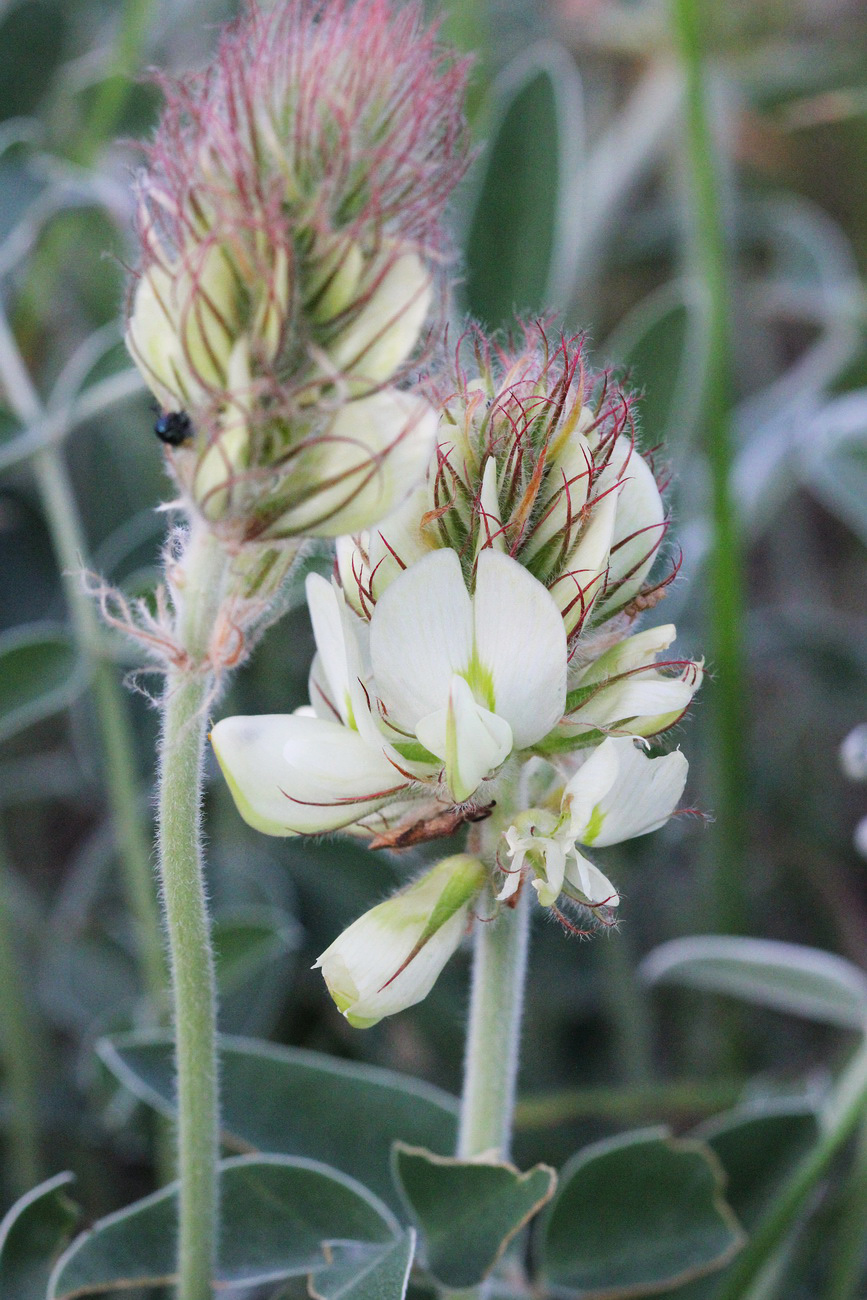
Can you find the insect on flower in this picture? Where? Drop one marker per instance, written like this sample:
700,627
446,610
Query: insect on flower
173,428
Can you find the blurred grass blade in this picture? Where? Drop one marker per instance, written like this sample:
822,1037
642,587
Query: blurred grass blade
835,460
711,259
118,741
41,673
785,976
521,241
19,1052
843,1112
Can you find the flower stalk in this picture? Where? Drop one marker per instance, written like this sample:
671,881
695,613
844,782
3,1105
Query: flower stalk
496,1007
187,692
494,1031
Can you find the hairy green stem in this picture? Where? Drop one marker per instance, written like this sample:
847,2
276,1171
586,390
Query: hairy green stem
494,1031
112,717
842,1117
726,578
188,692
19,1053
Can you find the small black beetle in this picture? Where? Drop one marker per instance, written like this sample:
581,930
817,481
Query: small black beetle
173,427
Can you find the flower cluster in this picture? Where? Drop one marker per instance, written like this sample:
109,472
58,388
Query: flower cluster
476,652
290,220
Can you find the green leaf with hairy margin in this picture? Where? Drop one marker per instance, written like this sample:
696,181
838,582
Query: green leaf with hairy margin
32,1235
40,673
786,976
286,1099
380,1276
279,1215
759,1145
467,1210
634,1215
518,243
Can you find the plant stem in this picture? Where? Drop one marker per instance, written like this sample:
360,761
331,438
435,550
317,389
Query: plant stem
110,98
112,716
185,702
847,1269
20,1054
494,1031
846,1109
118,743
726,599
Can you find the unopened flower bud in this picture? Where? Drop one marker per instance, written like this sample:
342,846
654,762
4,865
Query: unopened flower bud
371,560
373,346
582,581
626,689
360,467
390,957
333,279
224,459
182,327
638,528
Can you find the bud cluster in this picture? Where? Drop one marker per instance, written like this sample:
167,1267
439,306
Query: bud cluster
290,220
537,459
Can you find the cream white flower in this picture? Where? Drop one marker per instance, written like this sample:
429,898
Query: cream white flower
437,691
617,794
626,692
390,957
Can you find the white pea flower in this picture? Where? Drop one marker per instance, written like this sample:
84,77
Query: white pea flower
617,794
437,691
627,691
390,957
